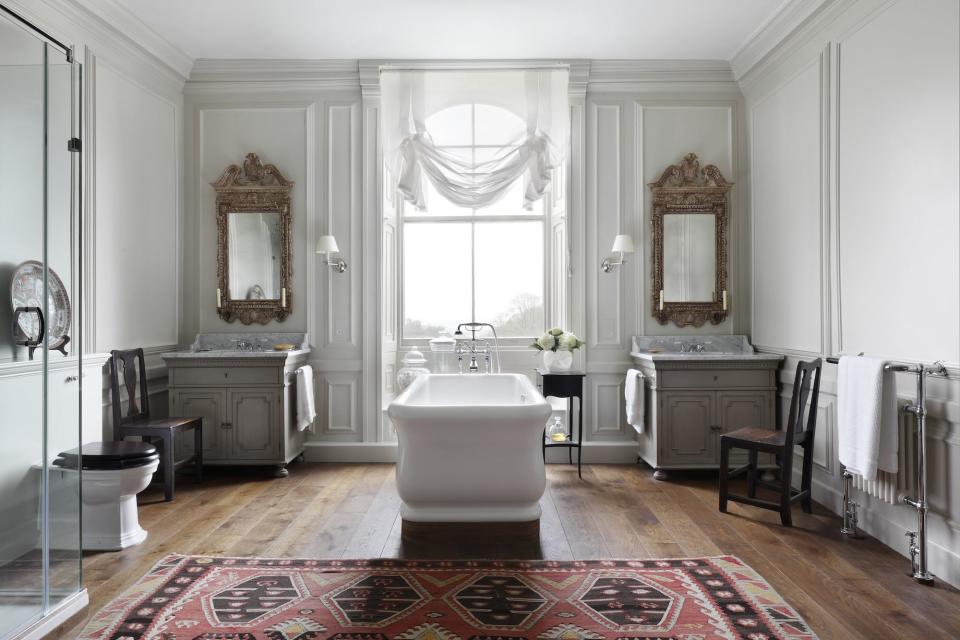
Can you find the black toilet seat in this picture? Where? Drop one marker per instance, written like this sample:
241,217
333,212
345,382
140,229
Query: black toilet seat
109,456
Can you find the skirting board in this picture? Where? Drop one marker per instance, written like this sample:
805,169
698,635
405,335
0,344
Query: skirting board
55,618
593,452
874,519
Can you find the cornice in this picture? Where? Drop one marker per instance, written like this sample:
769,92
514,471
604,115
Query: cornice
102,22
792,25
216,75
672,76
126,25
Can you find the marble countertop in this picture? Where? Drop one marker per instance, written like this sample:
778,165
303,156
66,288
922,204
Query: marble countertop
725,348
230,354
212,346
688,357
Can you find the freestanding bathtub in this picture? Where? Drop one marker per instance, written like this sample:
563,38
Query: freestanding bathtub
470,449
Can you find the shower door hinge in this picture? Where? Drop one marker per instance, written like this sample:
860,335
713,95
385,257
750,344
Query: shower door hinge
73,145
70,57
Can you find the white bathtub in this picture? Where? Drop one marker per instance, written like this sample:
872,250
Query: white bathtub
470,448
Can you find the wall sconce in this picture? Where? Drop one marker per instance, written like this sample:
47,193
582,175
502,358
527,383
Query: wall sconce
621,244
328,245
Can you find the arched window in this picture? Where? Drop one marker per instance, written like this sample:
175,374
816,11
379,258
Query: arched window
460,264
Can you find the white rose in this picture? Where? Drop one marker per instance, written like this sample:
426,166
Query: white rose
546,342
569,342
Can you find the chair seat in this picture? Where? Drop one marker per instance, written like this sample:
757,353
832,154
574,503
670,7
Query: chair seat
758,435
159,425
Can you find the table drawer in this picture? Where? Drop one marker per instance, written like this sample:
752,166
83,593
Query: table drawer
716,378
220,376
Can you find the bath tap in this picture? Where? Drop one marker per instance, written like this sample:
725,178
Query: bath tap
476,347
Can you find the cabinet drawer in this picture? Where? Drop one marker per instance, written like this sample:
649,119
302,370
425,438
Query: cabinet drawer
715,378
220,376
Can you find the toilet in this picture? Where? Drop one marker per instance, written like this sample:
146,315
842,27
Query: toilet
113,474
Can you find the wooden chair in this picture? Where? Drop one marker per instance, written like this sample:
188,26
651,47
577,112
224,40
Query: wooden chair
137,421
781,444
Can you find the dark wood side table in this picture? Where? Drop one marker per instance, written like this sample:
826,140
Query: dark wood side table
565,384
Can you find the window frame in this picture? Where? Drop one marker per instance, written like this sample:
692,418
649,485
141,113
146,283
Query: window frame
406,214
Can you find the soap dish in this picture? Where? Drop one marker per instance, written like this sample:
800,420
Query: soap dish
283,346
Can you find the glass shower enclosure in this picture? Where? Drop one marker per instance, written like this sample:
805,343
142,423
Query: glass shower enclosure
40,556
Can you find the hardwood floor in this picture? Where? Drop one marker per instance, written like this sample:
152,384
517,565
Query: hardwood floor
843,588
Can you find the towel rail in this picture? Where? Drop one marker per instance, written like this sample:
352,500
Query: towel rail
918,538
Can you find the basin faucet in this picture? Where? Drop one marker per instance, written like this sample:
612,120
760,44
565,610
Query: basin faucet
243,345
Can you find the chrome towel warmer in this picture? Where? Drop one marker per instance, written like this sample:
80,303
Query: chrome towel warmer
918,538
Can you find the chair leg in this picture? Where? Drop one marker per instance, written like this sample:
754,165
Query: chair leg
806,503
786,517
168,470
752,475
724,474
198,451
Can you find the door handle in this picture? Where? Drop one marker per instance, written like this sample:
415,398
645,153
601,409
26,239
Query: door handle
715,427
226,425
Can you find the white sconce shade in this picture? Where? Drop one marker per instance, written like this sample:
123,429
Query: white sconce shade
327,244
623,244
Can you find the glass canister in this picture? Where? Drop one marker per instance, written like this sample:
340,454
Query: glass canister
443,345
414,366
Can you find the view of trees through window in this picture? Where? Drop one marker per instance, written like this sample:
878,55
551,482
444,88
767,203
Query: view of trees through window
484,265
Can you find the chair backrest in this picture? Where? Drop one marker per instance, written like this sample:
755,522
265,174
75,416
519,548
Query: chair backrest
128,366
800,430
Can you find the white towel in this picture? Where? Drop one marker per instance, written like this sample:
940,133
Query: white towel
306,407
867,415
633,394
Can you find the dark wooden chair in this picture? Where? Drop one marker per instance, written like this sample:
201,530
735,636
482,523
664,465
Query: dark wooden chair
797,432
137,421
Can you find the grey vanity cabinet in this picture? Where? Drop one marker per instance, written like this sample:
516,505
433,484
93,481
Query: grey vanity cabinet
247,405
690,403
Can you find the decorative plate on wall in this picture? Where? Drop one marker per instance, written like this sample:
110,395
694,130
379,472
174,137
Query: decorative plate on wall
26,292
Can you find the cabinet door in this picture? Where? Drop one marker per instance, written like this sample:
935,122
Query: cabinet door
209,404
255,425
738,409
687,431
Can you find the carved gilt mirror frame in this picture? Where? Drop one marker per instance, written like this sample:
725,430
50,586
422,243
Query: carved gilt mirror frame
252,188
688,188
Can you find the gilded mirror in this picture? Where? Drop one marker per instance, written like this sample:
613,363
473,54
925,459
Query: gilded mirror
690,218
253,243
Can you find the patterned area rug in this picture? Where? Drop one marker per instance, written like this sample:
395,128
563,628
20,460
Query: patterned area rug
205,598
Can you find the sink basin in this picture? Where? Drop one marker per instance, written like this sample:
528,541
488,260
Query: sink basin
226,345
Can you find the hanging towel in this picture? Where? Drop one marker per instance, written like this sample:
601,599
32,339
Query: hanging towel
633,394
867,415
306,407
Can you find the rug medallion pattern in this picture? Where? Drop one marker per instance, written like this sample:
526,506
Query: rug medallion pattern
209,598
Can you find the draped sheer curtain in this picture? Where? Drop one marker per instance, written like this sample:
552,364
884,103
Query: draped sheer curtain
409,97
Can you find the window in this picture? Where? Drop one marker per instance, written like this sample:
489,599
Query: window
461,264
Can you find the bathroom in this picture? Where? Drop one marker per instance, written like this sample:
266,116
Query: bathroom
819,137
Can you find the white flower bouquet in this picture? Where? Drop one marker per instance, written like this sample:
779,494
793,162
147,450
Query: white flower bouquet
557,340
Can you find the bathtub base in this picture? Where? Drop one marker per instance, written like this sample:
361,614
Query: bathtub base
469,532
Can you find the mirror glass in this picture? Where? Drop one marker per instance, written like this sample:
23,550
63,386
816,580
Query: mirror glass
689,257
253,240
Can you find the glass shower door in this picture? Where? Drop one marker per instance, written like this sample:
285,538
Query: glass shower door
39,388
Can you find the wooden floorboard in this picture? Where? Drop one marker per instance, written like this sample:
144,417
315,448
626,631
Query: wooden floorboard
843,588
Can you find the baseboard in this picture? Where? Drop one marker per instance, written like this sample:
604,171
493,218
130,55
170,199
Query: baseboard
593,452
877,519
64,611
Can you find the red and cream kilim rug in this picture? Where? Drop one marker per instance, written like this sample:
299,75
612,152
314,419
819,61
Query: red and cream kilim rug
206,598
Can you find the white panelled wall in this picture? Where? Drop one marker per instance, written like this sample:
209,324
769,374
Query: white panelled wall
856,231
317,122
